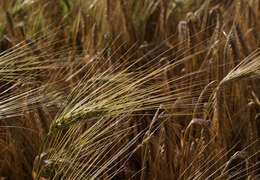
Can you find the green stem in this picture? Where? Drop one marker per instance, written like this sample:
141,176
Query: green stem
39,156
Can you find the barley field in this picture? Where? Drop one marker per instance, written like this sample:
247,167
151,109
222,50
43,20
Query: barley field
129,89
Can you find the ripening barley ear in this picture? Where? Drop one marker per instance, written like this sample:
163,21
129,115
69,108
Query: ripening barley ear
112,100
